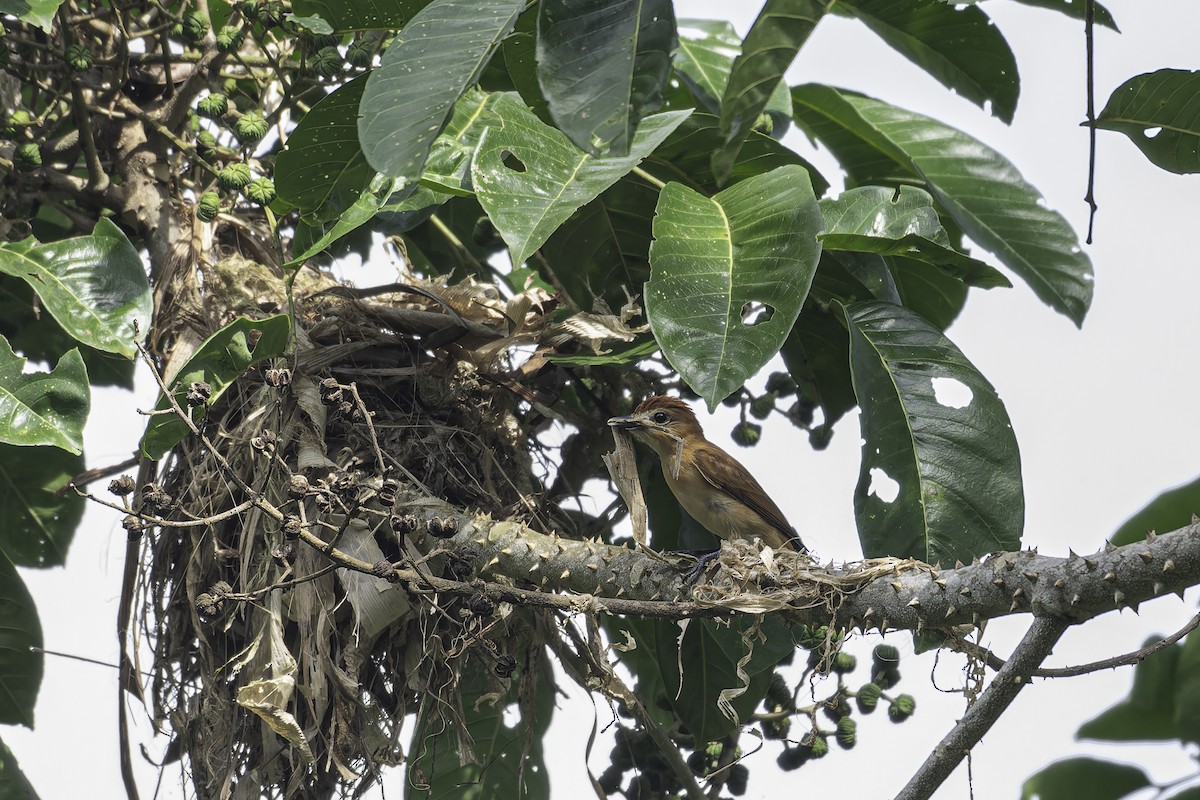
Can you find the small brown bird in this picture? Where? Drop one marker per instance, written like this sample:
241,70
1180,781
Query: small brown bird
717,491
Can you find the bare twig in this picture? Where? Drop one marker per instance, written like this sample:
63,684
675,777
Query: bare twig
1033,649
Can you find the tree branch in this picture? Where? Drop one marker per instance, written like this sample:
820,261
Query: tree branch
1033,649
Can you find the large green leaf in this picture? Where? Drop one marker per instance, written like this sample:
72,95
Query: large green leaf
38,526
1172,509
978,188
323,168
360,15
13,783
20,634
1072,8
903,222
509,760
934,294
221,360
1148,714
604,248
360,212
530,179
932,424
1187,692
707,49
959,46
751,247
449,167
36,12
1074,778
817,354
409,99
43,408
1160,113
781,29
94,286
39,337
602,66
520,61
686,156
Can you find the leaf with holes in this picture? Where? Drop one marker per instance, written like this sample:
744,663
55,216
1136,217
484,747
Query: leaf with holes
530,179
959,46
221,360
940,478
43,408
39,524
976,186
751,248
602,67
20,643
94,286
409,99
781,29
890,222
1160,113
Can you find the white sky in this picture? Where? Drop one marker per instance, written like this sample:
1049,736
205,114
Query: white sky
1105,418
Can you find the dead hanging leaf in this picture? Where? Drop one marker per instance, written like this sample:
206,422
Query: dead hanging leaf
269,699
598,326
622,466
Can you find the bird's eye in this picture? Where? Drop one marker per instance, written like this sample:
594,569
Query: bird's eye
661,417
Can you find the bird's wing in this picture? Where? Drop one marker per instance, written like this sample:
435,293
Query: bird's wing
725,473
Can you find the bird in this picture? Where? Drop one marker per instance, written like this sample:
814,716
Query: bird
710,485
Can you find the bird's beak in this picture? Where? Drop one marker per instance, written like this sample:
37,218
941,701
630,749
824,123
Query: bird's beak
624,423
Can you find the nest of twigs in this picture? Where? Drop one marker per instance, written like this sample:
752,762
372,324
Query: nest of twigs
281,676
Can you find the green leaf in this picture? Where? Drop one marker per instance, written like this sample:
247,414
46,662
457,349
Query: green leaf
603,67
360,212
323,168
36,12
530,179
520,61
686,156
222,359
509,760
959,46
43,408
1187,692
932,424
13,783
713,258
1160,113
781,29
38,527
409,99
928,290
94,286
704,59
978,188
817,354
899,222
1148,714
604,248
629,355
20,633
449,167
1073,778
1072,8
360,15
1170,510
39,337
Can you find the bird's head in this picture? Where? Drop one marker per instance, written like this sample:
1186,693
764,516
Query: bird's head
661,422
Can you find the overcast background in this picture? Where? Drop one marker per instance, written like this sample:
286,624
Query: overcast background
1105,417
